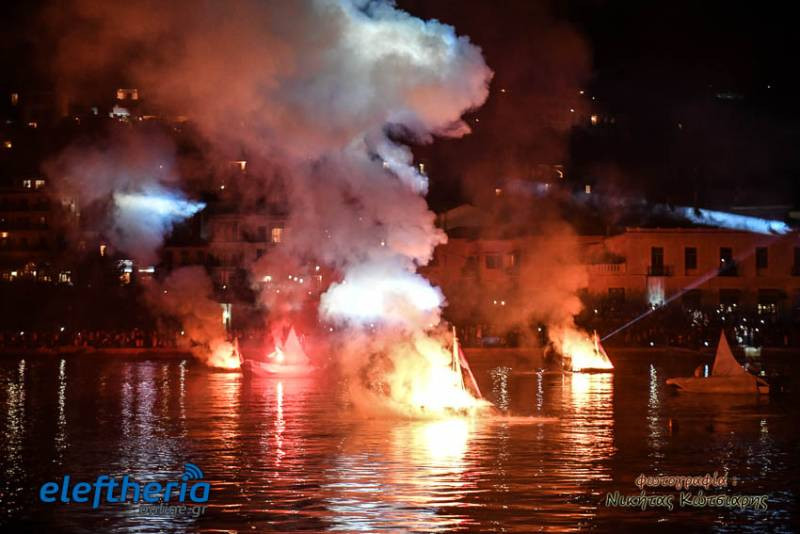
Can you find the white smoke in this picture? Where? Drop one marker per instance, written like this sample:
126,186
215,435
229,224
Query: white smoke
323,92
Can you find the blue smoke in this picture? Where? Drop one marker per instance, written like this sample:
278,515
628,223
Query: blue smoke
143,218
733,221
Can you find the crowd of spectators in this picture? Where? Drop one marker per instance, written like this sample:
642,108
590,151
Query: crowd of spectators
62,338
656,327
697,328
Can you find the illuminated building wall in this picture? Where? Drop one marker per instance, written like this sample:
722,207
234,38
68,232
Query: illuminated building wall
648,266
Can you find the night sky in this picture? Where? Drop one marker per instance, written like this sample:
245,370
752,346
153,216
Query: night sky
702,95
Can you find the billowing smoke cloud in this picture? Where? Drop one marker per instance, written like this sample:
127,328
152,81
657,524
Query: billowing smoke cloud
535,103
133,177
187,295
322,92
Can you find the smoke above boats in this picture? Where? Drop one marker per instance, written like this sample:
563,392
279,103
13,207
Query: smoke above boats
314,93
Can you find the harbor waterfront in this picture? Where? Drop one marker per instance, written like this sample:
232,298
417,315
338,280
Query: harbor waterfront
566,453
399,266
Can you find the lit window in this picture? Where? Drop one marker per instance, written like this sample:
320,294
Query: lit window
38,184
27,184
14,99
227,313
123,94
594,119
277,234
7,143
102,250
587,189
118,112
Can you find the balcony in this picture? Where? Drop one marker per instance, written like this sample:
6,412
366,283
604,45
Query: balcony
659,270
607,268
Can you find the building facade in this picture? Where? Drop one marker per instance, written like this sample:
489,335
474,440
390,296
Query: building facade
699,267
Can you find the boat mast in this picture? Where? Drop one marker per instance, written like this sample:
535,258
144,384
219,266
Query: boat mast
455,364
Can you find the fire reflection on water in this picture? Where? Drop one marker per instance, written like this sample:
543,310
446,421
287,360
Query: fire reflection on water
280,424
419,476
589,435
288,455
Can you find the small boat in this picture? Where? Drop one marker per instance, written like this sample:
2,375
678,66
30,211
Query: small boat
727,376
287,360
590,360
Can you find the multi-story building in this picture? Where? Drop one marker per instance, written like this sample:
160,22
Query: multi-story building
230,234
702,267
31,243
699,266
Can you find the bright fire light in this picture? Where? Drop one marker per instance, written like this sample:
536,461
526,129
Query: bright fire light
224,356
277,355
581,352
424,384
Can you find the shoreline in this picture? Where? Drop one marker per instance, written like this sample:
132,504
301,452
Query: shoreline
473,353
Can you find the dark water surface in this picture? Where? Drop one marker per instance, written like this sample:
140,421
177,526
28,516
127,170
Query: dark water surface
287,455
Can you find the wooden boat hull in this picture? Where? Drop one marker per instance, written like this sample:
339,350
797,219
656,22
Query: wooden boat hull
256,368
737,385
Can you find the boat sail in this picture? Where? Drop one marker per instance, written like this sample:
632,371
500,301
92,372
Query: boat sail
287,360
461,367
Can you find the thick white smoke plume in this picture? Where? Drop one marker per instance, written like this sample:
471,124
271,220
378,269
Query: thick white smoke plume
322,92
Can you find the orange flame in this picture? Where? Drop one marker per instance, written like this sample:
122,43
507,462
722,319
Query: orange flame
424,384
581,352
224,355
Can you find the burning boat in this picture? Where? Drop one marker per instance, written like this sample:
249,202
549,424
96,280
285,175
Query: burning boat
421,378
288,359
581,354
727,376
450,390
